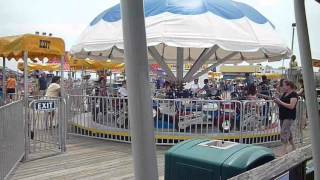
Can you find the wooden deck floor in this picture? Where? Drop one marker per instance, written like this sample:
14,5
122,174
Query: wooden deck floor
88,158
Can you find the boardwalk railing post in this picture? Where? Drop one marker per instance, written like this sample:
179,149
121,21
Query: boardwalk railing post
139,93
309,83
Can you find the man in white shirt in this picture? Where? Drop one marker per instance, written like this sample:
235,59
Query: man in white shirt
122,91
54,89
195,87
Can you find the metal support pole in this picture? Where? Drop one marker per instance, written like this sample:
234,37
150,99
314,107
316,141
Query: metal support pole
309,83
26,104
62,77
179,66
110,85
62,113
4,87
215,64
162,62
205,55
292,39
141,123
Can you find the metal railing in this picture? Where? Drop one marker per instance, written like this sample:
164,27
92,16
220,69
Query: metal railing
11,137
176,120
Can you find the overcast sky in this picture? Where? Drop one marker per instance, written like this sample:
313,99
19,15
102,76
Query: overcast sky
68,18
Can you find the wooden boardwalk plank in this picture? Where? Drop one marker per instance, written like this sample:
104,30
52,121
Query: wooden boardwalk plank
86,158
93,159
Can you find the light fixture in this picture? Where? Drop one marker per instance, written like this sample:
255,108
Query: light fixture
44,33
37,33
50,34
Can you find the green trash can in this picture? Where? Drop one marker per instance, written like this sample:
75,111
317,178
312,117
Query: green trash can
212,159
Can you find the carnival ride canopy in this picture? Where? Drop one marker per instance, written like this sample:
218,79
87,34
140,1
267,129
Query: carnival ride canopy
200,31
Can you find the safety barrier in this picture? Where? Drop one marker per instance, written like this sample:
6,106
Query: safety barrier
11,137
176,120
45,127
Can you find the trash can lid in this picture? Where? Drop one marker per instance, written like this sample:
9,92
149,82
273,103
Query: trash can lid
205,150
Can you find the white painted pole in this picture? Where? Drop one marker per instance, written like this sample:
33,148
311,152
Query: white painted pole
309,83
139,94
26,95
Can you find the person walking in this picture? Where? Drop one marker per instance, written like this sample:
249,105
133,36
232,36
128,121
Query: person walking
11,86
43,84
53,91
287,114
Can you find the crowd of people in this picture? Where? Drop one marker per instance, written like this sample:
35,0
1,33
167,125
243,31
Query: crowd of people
39,85
282,92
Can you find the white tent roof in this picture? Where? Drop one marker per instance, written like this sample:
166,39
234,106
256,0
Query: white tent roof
226,26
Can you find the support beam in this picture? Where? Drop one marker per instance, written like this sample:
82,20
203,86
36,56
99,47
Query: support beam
220,61
161,61
203,58
309,83
4,86
120,50
139,94
180,64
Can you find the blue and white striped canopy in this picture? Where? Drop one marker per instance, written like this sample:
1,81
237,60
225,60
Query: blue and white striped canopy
191,24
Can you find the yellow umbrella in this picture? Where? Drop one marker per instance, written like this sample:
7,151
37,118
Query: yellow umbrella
105,65
77,64
272,76
37,46
96,65
40,67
